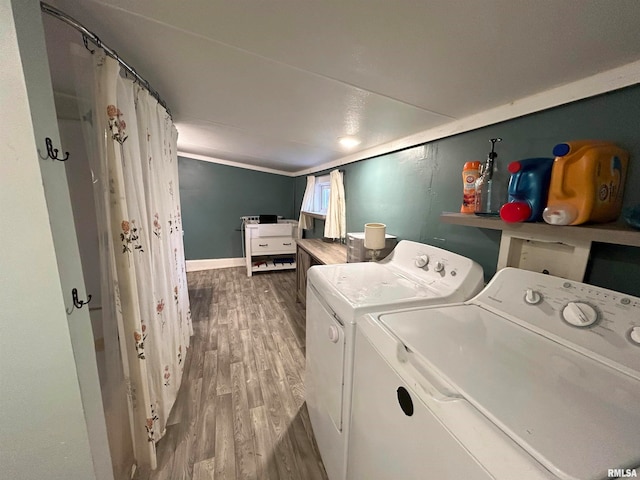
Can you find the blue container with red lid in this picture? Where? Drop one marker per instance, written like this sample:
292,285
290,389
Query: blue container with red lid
528,190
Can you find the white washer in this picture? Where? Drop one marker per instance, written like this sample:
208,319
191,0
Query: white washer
535,378
413,274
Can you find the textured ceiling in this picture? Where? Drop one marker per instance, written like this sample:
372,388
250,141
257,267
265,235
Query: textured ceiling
274,83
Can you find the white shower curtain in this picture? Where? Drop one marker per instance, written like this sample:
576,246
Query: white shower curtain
335,224
132,150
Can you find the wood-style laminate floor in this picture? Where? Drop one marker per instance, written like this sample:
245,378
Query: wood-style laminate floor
240,411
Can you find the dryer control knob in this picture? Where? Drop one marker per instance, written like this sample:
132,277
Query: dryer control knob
580,314
422,260
532,297
439,267
334,334
634,335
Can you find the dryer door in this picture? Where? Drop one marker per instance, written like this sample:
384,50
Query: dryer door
393,434
325,344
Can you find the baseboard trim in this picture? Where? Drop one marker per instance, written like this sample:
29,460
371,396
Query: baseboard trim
214,263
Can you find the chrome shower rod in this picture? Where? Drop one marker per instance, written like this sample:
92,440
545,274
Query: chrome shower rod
88,35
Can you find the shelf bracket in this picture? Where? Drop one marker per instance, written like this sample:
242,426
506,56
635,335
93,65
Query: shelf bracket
544,254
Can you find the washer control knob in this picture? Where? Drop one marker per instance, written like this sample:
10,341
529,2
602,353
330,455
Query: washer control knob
334,334
422,260
579,314
439,266
532,297
634,335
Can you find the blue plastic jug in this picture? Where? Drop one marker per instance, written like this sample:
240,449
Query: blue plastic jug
528,190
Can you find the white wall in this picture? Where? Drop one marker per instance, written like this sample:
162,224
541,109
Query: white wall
43,433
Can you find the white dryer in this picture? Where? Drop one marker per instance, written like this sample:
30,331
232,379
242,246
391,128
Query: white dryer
535,378
413,274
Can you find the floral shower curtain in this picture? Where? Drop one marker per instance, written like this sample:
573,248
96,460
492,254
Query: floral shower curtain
146,318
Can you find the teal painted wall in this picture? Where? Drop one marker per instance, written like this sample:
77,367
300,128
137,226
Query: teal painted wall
214,197
408,190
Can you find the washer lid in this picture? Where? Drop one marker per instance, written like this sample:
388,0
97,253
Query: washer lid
356,288
575,415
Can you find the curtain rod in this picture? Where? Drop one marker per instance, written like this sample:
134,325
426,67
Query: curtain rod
88,35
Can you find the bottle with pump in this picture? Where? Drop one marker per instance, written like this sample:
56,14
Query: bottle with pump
489,190
470,174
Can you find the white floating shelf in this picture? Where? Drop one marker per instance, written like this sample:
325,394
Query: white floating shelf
615,233
562,251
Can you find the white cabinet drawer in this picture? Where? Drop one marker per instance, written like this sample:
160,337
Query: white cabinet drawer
267,245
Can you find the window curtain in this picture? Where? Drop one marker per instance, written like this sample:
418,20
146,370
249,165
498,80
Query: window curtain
305,221
146,318
335,225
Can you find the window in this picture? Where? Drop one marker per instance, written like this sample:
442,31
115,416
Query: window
325,192
320,199
321,194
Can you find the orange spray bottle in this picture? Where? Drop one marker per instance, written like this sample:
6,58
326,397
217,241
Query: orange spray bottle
470,173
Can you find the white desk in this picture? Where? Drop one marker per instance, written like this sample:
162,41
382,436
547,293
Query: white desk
267,250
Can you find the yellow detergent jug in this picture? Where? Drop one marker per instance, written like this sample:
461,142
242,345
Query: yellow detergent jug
587,183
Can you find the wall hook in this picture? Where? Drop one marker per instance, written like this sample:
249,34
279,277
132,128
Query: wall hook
53,152
77,303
